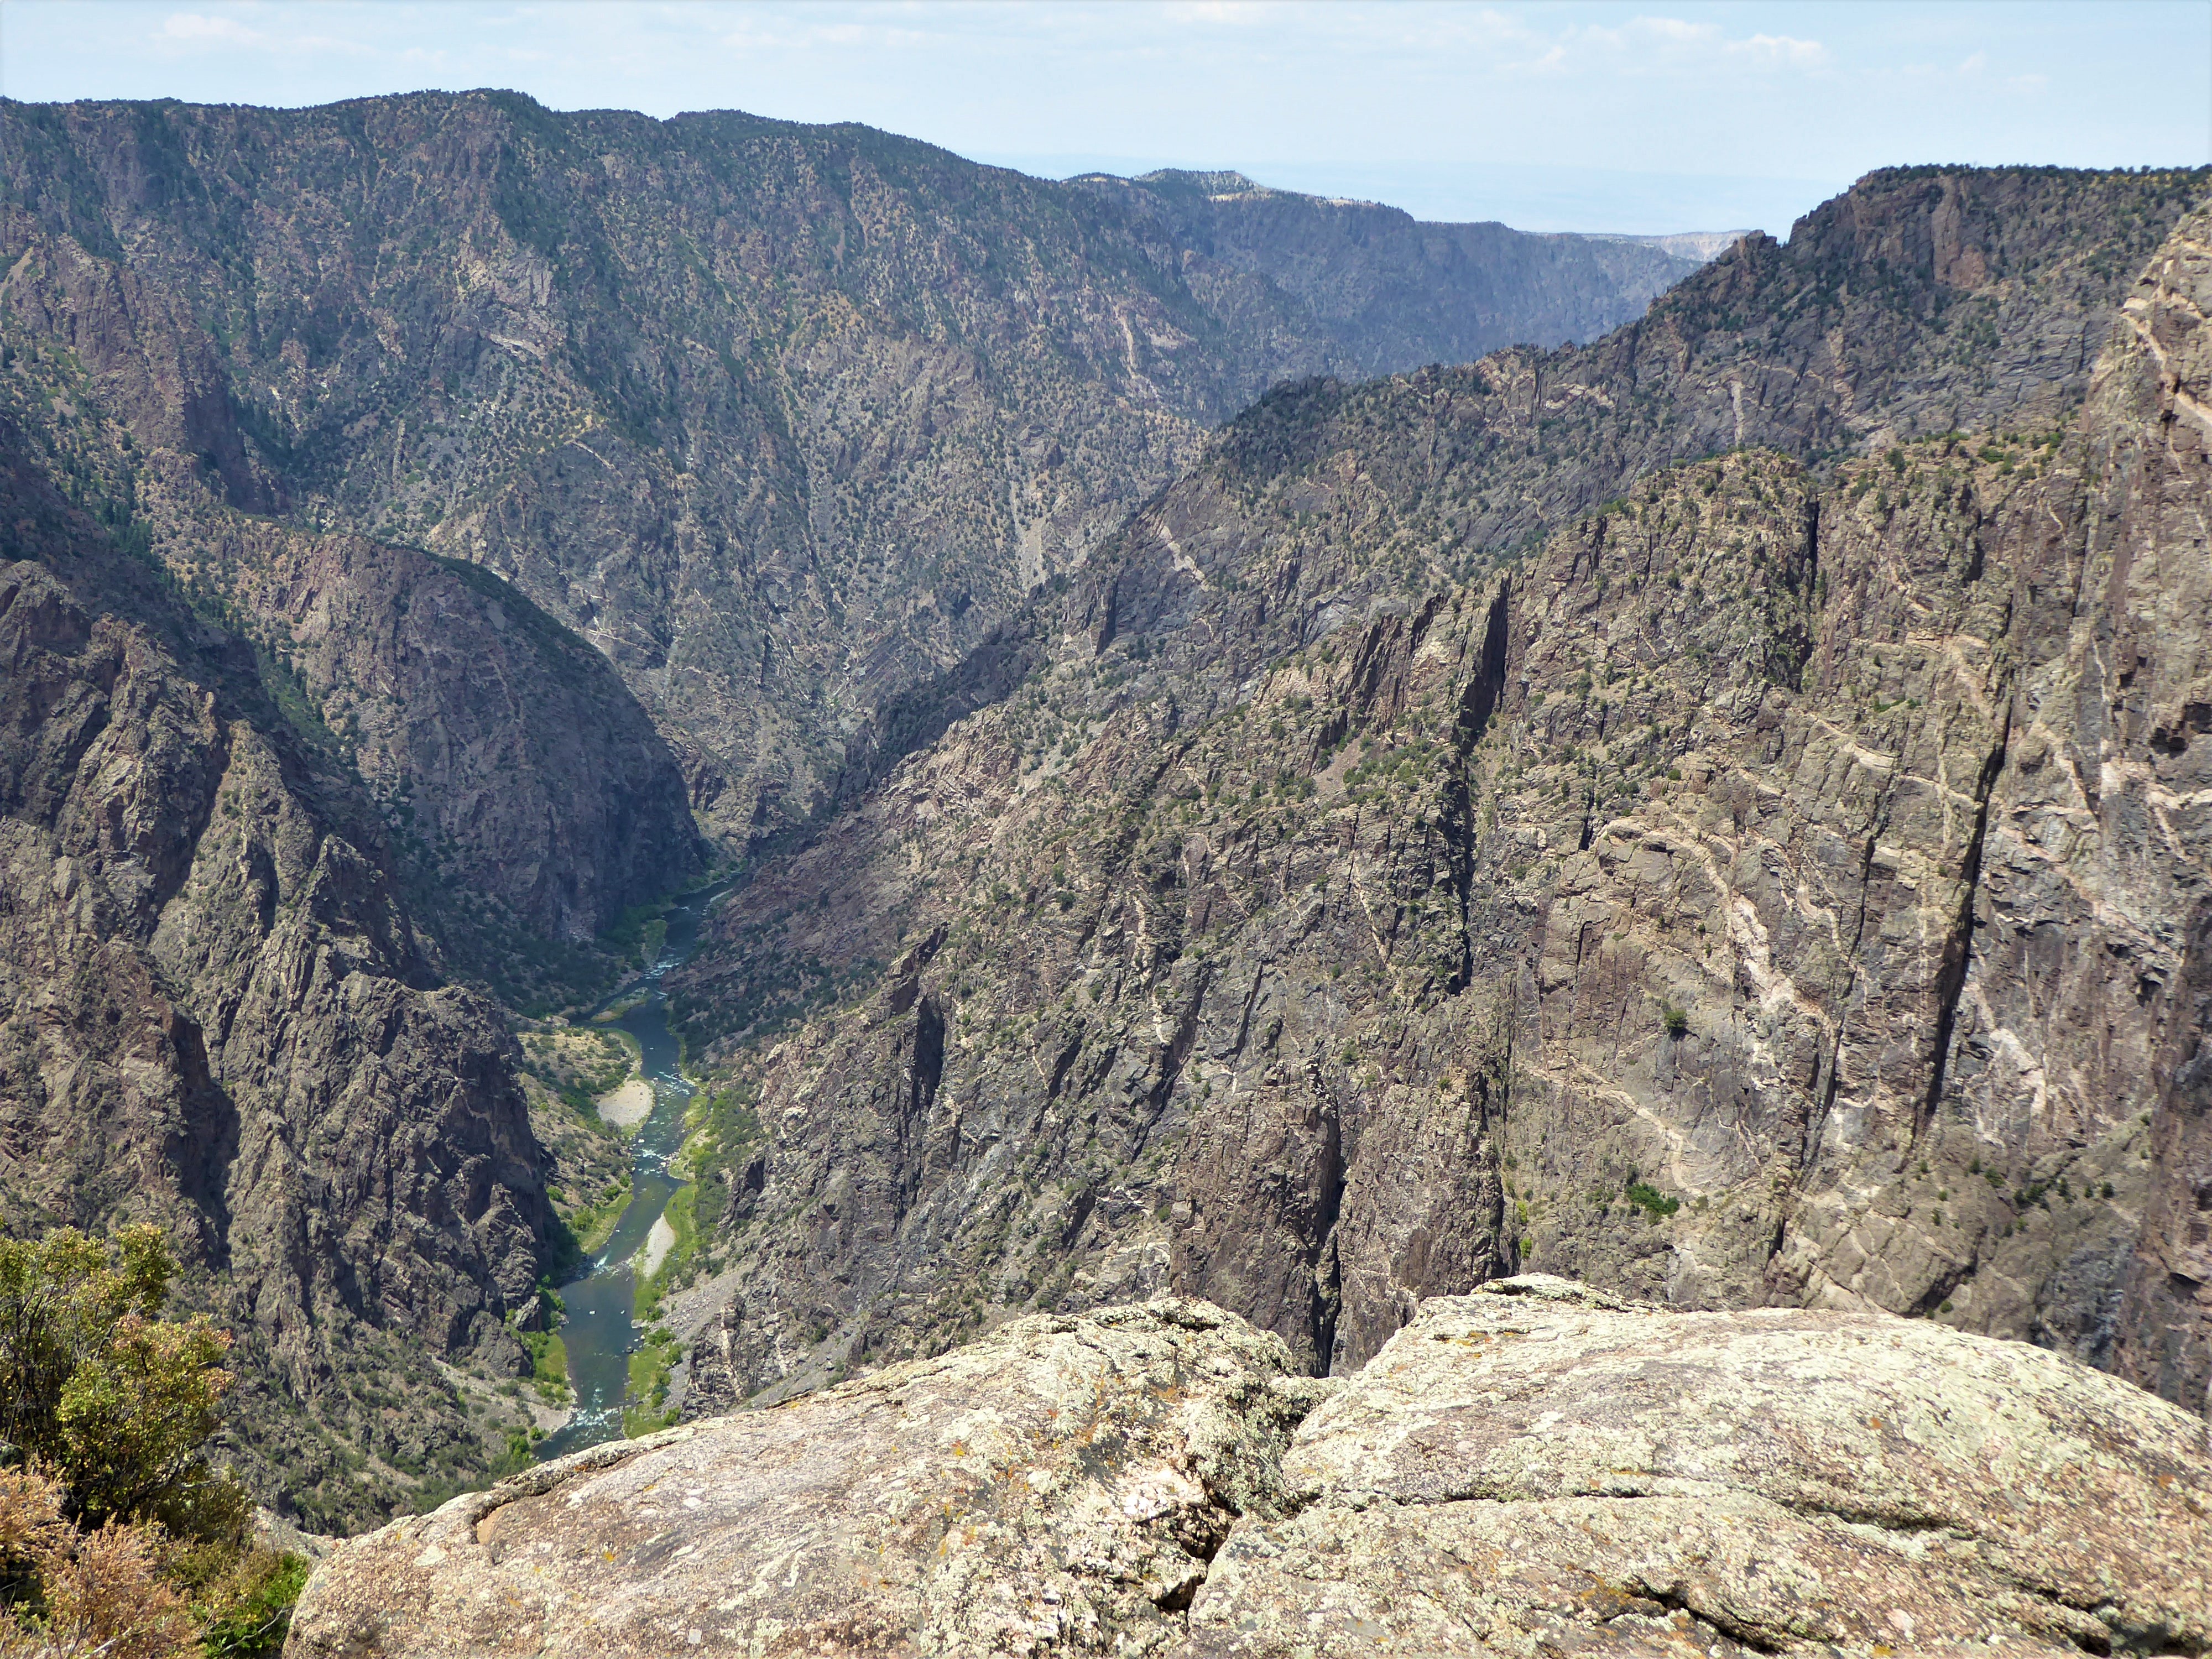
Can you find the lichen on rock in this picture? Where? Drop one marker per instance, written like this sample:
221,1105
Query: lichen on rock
1060,1485
1535,1468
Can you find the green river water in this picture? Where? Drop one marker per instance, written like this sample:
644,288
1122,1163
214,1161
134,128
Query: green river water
601,1331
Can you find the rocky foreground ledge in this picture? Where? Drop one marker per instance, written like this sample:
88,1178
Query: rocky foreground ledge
1535,1468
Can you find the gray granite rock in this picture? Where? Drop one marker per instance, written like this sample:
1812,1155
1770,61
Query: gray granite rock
1536,1468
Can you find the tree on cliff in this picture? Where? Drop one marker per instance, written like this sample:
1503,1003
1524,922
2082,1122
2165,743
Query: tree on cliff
117,1536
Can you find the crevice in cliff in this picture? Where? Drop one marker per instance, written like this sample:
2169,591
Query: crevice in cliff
1328,1294
203,1154
1734,1630
1958,948
924,1071
1818,1125
1486,689
1940,1288
1176,1053
1479,701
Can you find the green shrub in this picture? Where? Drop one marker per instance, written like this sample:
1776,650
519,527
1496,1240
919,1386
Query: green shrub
1676,1020
248,1613
116,1536
649,1368
115,1403
549,1364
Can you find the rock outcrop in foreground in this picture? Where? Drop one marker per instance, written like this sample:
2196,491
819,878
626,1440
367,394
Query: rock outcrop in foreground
1533,1469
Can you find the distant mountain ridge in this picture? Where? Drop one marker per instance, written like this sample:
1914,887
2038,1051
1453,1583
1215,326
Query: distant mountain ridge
1223,185
1702,245
1398,291
782,418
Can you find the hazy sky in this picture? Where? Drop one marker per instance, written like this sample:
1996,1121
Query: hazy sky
1593,116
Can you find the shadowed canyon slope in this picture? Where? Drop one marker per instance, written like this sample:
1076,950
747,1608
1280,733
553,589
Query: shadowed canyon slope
219,1018
781,418
1774,887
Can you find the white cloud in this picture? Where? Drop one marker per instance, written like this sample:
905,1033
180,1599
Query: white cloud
186,30
193,28
1782,49
1243,12
1677,45
809,37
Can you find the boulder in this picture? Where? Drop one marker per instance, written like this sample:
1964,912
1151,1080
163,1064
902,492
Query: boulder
1537,1468
1533,1469
1059,1485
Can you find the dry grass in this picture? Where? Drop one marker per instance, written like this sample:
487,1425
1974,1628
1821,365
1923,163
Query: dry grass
102,1592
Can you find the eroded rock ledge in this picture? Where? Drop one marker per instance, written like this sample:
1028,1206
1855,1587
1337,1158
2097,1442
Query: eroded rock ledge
1535,1468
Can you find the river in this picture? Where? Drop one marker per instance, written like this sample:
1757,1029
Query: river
601,1331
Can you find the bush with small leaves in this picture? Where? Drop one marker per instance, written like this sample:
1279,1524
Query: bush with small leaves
74,1592
117,1402
117,1537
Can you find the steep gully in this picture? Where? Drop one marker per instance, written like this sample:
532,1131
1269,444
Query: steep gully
1309,1158
601,1330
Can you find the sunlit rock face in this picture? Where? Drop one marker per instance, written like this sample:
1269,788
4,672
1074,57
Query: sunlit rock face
1535,1468
1771,886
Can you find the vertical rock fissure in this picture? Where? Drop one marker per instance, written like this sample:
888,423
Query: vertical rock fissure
1327,1291
1958,949
925,1073
1487,689
1176,1053
1817,1126
1478,702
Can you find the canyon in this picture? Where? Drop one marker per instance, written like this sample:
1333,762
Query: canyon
1261,753
546,500
1456,829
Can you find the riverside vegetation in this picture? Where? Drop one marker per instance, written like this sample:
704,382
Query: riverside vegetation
1698,788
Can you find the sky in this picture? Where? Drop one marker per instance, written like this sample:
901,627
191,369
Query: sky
1591,116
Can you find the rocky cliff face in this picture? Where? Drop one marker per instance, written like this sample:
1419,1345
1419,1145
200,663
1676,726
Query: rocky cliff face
219,1019
1533,1469
2135,695
1772,891
782,419
1392,291
2165,1335
530,790
527,793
